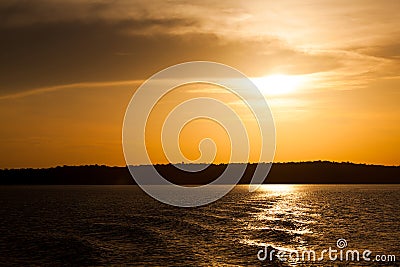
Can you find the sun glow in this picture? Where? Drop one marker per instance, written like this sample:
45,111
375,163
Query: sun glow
276,188
278,84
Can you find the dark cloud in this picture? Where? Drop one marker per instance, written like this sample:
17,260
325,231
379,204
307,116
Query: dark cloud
19,13
51,52
68,52
387,51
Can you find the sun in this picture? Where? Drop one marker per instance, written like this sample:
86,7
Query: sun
278,84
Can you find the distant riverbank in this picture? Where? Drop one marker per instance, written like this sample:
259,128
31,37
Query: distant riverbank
316,172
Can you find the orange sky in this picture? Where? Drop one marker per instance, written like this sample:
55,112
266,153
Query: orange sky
328,69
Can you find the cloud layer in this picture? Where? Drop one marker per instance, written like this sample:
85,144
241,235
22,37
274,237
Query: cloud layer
50,43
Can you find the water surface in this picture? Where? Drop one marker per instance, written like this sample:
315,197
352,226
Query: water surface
121,225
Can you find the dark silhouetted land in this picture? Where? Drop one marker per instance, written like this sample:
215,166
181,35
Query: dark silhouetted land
317,172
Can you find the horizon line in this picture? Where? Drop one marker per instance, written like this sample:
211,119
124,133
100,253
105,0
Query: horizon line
183,163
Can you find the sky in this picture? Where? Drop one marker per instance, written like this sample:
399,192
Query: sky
328,69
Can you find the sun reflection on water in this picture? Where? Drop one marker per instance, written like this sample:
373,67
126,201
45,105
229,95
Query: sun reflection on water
277,188
280,217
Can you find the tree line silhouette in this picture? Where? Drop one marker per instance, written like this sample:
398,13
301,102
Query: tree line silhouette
316,172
